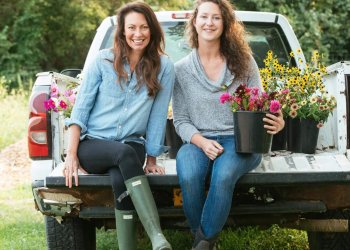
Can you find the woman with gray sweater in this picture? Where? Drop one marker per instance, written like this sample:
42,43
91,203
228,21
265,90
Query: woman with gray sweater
220,58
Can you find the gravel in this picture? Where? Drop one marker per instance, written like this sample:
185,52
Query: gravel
15,165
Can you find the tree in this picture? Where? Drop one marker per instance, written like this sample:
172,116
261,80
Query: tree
317,24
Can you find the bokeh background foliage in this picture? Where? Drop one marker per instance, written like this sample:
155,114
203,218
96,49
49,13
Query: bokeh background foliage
42,35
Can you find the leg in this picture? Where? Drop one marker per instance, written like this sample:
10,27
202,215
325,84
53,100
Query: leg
192,167
141,195
227,169
96,159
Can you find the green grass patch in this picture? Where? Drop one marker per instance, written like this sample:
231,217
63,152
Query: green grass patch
13,117
22,227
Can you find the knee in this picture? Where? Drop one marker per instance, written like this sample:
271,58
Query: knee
127,156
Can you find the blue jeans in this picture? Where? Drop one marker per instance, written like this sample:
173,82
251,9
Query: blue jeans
210,212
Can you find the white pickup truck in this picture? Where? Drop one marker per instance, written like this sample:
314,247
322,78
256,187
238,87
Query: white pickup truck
308,192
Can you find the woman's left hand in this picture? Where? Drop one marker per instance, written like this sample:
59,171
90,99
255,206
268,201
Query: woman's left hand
275,122
152,167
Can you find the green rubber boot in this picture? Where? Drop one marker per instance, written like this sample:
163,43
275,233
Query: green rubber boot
141,196
126,229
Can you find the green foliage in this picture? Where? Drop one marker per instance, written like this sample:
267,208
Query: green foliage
43,35
318,24
13,115
251,238
159,5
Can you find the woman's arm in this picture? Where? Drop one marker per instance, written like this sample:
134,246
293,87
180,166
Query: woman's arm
71,164
155,131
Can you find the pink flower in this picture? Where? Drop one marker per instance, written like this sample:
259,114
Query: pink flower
285,91
275,106
225,97
54,90
254,91
63,104
68,93
49,104
71,98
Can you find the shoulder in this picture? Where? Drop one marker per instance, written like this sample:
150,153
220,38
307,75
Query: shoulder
166,63
182,64
106,54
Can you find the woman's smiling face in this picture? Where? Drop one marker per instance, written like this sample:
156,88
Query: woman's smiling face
137,32
209,24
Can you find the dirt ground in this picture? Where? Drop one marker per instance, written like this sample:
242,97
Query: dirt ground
14,165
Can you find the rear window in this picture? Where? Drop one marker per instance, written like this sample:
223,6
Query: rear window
261,38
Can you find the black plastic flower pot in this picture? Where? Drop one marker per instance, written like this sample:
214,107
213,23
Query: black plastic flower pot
302,135
279,140
250,134
172,139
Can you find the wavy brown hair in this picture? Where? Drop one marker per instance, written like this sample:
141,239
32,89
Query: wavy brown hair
233,44
148,67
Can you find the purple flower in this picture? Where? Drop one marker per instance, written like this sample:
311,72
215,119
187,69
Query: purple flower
225,97
275,106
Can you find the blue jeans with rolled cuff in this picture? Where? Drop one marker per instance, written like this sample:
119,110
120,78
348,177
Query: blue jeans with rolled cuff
209,212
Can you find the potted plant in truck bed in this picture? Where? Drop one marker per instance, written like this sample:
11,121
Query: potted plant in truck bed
249,107
306,103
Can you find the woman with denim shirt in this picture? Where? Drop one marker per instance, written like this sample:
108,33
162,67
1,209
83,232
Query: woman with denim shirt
220,58
124,96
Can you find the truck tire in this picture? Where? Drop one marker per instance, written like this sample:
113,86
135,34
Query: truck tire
330,241
72,233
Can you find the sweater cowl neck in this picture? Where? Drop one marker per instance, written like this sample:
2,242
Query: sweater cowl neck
198,72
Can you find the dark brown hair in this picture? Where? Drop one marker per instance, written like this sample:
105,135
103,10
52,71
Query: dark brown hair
150,66
233,45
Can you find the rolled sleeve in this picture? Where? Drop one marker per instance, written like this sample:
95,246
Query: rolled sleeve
68,122
155,131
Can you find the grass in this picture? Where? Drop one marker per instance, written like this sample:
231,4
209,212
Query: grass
22,227
13,117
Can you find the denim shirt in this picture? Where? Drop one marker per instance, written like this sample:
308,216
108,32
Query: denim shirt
104,109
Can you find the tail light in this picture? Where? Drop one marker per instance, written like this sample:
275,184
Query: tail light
180,15
38,127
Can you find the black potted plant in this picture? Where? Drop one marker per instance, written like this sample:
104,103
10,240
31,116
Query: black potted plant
249,107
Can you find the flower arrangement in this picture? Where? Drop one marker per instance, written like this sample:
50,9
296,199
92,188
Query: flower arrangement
303,91
62,101
251,99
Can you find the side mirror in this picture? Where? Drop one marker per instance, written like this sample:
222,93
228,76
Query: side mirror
71,72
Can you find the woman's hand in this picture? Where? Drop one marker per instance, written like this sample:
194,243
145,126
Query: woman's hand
275,122
152,167
71,166
211,148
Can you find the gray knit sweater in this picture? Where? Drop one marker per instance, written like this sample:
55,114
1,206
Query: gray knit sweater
196,99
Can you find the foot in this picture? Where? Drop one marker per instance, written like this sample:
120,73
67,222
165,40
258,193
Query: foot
160,243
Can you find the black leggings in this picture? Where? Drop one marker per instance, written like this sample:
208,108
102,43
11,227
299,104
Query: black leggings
121,161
